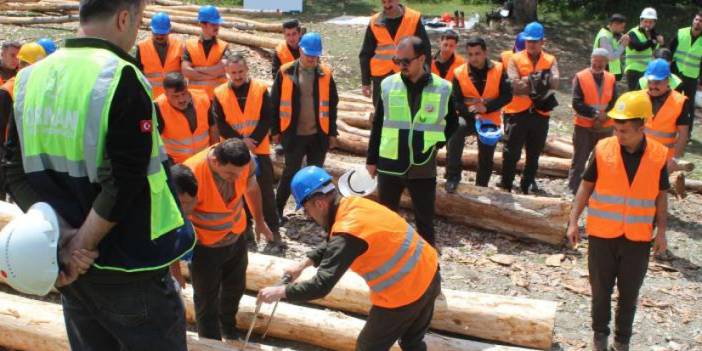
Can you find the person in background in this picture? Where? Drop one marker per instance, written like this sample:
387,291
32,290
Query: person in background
203,62
687,54
289,50
642,41
519,45
8,60
48,44
447,59
612,39
185,187
161,54
674,80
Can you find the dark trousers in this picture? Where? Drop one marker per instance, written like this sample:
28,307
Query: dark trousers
219,278
689,86
376,88
264,177
423,194
141,312
523,130
632,80
584,141
308,146
454,166
624,262
408,323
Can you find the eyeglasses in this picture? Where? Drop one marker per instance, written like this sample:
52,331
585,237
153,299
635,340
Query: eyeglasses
403,61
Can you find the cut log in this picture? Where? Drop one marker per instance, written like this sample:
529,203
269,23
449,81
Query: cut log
38,7
355,98
558,148
22,21
530,217
694,185
226,35
356,119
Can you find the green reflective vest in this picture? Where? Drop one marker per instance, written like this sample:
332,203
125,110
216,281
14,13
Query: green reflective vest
614,66
638,60
62,127
674,81
401,130
687,57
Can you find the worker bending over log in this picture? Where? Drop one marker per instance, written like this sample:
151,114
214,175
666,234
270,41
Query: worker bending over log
203,62
400,268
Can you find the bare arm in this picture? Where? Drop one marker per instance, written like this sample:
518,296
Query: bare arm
579,204
681,143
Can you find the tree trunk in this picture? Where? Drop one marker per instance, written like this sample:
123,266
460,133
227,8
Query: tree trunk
525,11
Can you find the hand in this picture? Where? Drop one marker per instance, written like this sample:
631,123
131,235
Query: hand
272,294
366,90
659,40
250,143
262,228
624,40
78,263
477,108
333,143
672,165
660,245
573,235
177,274
275,139
372,170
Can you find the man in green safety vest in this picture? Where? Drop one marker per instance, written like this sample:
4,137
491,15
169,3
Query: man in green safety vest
413,119
687,56
639,52
84,139
612,39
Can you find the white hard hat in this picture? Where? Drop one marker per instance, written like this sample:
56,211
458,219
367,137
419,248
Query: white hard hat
29,250
357,182
649,13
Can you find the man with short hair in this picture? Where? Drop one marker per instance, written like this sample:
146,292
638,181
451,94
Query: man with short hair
184,119
612,39
643,40
105,177
289,50
687,55
203,62
243,109
8,60
161,54
446,60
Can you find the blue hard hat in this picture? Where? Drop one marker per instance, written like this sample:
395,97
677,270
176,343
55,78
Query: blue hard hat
161,24
534,31
48,45
209,14
520,42
488,132
309,181
311,44
658,69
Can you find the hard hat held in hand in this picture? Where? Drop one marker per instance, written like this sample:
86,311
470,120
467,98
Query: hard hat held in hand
29,251
357,182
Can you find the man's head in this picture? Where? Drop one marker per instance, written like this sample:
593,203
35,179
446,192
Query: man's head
409,56
210,20
310,50
658,74
176,90
629,132
185,185
229,159
237,69
629,114
292,33
599,60
390,5
697,22
448,43
534,37
117,21
10,49
209,30
160,27
314,191
648,18
477,51
30,54
617,23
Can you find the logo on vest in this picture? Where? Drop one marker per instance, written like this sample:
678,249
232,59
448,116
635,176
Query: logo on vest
429,108
145,126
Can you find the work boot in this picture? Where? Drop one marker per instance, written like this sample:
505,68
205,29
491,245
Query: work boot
451,186
618,346
599,342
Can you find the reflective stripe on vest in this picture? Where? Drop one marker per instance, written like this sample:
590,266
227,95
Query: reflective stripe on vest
458,60
594,96
614,66
663,126
154,69
687,56
381,63
205,63
490,92
286,106
525,67
180,142
638,60
244,122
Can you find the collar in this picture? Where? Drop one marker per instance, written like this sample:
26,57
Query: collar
639,150
451,59
202,39
243,87
424,80
661,98
380,21
99,43
488,66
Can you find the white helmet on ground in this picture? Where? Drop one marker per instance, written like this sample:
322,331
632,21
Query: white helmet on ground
29,250
649,13
357,182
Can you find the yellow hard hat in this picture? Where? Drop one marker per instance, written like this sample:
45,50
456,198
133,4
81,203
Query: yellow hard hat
632,105
31,53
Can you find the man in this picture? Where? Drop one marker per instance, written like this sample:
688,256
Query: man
639,52
161,54
185,187
612,39
372,241
202,59
413,120
383,34
594,93
304,101
48,44
9,63
242,109
482,89
446,59
225,175
687,54
519,45
184,119
288,51
533,73
670,124
625,188
674,81
104,176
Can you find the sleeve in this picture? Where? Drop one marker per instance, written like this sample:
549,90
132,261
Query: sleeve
684,118
579,101
5,113
367,52
451,121
159,119
638,45
225,130
421,33
333,108
316,254
374,141
275,103
264,120
276,64
590,173
340,253
664,183
615,96
16,181
673,46
504,98
460,107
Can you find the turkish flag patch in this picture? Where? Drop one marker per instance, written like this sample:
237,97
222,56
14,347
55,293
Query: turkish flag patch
145,126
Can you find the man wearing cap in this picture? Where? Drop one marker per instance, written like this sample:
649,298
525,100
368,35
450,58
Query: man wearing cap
687,54
203,62
48,44
304,99
161,54
594,93
400,268
289,50
481,88
446,60
643,40
674,81
612,39
625,189
534,74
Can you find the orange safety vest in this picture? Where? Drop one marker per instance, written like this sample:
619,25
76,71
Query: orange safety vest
284,53
505,56
197,56
212,218
457,62
381,63
244,122
9,87
617,207
156,71
663,126
286,104
398,265
526,67
597,98
179,141
471,96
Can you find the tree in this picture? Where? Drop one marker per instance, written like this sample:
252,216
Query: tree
524,11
